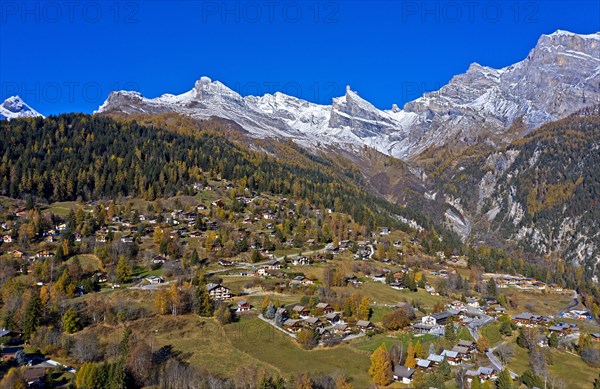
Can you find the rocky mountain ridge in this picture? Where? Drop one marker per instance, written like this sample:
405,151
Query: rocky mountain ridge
559,76
14,107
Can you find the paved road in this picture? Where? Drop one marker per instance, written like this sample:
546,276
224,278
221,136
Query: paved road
141,285
251,266
474,328
498,364
571,305
476,324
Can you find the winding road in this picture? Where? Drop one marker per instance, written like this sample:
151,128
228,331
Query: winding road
571,305
474,328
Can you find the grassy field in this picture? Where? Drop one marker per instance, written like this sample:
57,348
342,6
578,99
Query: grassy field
520,361
378,313
222,349
270,347
366,344
572,369
541,303
463,333
567,367
143,272
383,294
284,252
89,263
236,283
492,332
202,342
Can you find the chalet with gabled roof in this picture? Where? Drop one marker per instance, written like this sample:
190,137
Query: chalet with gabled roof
301,310
218,292
17,253
243,306
403,374
332,317
364,325
484,373
313,322
325,307
293,325
424,364
453,356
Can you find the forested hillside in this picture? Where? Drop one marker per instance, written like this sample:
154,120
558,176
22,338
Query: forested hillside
93,157
539,196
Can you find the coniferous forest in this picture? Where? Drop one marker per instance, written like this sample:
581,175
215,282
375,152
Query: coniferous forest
84,157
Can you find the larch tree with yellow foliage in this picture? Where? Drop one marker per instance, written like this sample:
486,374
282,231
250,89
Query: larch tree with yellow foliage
419,351
381,366
364,309
410,357
161,300
13,379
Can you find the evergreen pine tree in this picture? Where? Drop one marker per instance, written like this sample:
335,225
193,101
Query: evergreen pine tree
418,379
504,380
194,259
123,270
70,321
203,305
449,332
445,370
522,339
553,340
491,288
32,316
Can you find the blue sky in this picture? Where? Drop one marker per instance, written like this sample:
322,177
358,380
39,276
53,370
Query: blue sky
66,56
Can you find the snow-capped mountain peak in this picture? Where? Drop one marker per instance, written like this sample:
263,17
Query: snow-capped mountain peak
14,107
560,75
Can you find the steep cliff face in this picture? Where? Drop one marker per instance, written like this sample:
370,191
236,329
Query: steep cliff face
540,193
559,76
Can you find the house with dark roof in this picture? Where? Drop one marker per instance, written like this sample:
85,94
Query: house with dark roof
9,353
313,322
332,317
218,292
301,280
341,328
34,376
561,328
403,374
439,318
364,325
463,352
527,319
469,344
